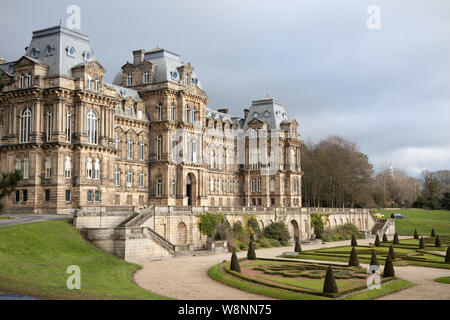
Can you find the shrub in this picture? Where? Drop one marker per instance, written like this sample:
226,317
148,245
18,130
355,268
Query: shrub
422,243
416,235
241,245
385,238
374,259
252,223
208,222
251,254
344,232
433,234
278,231
354,242
285,243
388,267
234,265
391,252
318,223
396,241
237,228
353,261
377,241
298,247
265,243
274,242
329,285
437,241
447,256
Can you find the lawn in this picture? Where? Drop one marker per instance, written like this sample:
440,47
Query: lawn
34,259
443,280
420,219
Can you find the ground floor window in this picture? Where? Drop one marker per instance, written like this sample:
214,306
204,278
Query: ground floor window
68,198
17,196
272,201
89,195
47,195
129,199
24,196
97,195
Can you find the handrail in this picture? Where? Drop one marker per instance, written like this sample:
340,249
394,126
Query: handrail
161,240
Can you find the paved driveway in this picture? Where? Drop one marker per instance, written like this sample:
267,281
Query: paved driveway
30,218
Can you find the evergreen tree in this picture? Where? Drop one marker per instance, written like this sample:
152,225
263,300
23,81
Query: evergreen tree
377,241
374,259
422,243
298,247
388,268
396,241
447,256
329,285
385,238
353,261
251,254
416,235
391,252
234,265
354,242
433,234
437,241
8,184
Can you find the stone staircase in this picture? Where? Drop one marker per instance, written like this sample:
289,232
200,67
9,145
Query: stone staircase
379,225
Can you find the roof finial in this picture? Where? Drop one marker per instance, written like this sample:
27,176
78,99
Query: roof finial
157,39
60,22
268,89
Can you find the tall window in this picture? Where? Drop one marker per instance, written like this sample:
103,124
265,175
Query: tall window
159,112
194,115
173,111
96,84
272,185
117,177
188,149
18,164
49,126
186,80
21,81
228,186
187,114
92,126
174,187
129,79
174,147
67,167
258,185
159,188
141,150
129,178
254,159
68,127
211,158
29,79
130,149
96,168
211,184
48,167
25,168
25,125
128,111
141,179
89,168
220,185
89,83
292,158
159,148
194,150
146,76
139,114
117,147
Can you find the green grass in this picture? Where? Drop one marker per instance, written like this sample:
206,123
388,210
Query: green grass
4,218
422,220
385,289
34,259
443,280
316,285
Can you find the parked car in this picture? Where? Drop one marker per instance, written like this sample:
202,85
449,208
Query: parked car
378,215
397,216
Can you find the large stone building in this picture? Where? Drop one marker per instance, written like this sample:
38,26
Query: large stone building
146,139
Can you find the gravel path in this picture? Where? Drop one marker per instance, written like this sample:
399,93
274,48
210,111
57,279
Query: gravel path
187,278
30,218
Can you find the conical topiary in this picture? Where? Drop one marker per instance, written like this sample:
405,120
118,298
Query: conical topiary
252,237
234,265
298,247
416,235
447,256
353,261
396,241
329,285
377,241
354,242
388,268
251,254
437,241
433,234
422,243
385,238
391,252
374,259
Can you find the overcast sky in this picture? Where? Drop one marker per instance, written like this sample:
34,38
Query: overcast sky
388,89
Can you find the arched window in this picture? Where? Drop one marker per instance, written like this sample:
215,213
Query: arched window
89,83
129,178
89,168
187,114
272,185
159,112
91,126
186,80
21,81
25,168
117,177
25,125
141,150
96,168
29,79
194,115
173,111
212,158
159,188
48,167
174,187
96,84
117,147
159,148
141,179
130,149
68,127
67,167
49,126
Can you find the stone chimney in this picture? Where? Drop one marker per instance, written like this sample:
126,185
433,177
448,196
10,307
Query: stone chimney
2,60
246,111
138,56
223,110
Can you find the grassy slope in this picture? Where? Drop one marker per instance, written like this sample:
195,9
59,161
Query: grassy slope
443,280
385,289
34,259
422,220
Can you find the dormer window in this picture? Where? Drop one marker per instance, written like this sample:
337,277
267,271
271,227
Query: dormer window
174,75
256,115
89,83
87,56
128,111
96,84
34,53
70,52
267,114
285,115
49,50
129,79
29,79
195,81
146,77
21,81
